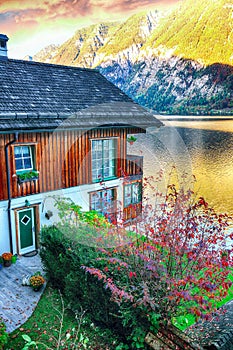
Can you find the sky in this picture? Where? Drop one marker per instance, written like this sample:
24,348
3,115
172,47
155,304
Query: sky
33,24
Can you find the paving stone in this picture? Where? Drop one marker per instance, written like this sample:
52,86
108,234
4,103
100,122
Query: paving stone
17,302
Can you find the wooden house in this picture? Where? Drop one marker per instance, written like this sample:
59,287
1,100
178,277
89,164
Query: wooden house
63,130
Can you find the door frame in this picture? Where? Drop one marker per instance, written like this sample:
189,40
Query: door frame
36,230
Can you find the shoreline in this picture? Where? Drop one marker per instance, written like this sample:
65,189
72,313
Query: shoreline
192,118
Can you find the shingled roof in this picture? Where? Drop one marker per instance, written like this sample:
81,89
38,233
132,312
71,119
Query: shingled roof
45,96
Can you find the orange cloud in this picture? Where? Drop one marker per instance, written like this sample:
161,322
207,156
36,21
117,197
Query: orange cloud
41,22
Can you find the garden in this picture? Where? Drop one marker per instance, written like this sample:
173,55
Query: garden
114,284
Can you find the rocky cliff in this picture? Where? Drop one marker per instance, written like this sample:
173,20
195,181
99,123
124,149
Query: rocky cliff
175,61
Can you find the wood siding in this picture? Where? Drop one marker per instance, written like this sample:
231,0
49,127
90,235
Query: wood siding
62,159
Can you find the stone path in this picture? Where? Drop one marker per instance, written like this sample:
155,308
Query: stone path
17,302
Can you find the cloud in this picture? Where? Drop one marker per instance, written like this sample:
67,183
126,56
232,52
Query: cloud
47,10
56,20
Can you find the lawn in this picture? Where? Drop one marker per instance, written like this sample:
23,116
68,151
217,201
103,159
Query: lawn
44,327
183,322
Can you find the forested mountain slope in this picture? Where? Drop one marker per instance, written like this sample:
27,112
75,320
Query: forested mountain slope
176,61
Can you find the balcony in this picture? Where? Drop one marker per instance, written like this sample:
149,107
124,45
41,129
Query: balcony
134,165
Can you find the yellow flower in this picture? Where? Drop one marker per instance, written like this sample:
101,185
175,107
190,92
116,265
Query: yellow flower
36,281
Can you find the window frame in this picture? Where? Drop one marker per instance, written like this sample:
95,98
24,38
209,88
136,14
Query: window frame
101,191
25,175
101,177
139,194
32,158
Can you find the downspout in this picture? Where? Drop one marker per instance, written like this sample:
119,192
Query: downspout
9,188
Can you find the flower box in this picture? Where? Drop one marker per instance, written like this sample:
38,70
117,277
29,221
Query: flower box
27,176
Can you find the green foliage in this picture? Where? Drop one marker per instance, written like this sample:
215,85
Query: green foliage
3,335
131,139
71,213
136,280
60,328
126,34
29,342
64,250
199,30
28,175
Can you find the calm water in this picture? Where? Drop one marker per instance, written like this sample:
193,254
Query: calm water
203,148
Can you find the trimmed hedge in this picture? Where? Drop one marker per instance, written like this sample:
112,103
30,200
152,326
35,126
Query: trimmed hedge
64,249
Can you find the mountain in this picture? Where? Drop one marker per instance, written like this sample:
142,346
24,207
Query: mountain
198,30
175,61
81,49
47,54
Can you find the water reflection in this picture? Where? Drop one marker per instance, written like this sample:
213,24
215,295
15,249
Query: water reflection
204,149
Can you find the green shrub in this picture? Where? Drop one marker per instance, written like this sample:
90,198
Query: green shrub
3,334
64,249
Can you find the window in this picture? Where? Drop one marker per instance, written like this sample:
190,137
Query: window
132,201
23,158
2,43
132,193
103,201
103,159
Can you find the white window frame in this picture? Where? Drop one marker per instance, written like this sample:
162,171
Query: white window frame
98,171
132,198
30,156
100,195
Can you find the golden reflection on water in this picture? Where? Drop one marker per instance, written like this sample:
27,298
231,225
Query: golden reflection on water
216,125
201,148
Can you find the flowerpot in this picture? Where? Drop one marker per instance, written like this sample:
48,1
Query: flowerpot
36,289
7,263
13,259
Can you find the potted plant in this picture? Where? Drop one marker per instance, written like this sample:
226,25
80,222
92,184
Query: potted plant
7,259
131,139
14,259
36,281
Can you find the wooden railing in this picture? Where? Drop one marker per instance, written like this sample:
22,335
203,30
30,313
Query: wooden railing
132,212
134,165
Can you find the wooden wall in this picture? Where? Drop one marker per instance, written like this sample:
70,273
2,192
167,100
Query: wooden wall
62,158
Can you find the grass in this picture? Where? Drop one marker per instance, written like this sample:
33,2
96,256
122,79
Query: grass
45,323
185,321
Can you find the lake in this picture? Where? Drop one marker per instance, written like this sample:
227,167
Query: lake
203,148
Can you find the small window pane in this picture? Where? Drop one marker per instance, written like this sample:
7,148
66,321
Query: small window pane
18,164
127,195
25,151
17,152
135,193
27,163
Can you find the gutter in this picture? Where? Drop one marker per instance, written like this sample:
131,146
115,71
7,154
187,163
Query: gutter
9,188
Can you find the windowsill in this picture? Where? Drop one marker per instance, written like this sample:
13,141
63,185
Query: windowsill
103,180
132,205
